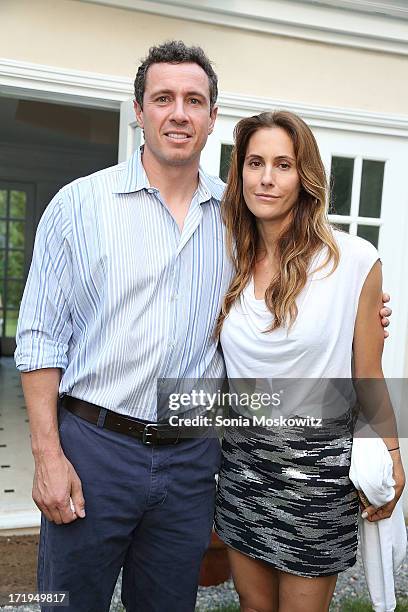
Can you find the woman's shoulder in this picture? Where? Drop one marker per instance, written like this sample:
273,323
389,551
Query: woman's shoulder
354,246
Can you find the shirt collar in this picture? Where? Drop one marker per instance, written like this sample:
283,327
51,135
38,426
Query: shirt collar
204,191
134,178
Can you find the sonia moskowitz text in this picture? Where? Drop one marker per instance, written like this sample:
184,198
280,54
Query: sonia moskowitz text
241,421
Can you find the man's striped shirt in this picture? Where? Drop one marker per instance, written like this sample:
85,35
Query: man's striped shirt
118,297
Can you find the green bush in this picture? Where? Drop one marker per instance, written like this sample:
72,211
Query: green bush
363,605
348,605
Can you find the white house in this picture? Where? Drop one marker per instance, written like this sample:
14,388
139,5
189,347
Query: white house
66,75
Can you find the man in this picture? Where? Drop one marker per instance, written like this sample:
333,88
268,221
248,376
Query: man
127,279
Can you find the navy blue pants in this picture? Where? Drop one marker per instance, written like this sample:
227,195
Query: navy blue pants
149,509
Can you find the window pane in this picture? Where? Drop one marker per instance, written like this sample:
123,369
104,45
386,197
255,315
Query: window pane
372,178
369,232
1,314
11,323
226,150
14,293
2,234
3,203
16,234
18,204
15,267
2,264
341,181
344,227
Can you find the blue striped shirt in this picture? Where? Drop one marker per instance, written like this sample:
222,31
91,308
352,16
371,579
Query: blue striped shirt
117,296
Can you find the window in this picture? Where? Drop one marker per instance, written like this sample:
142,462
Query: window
225,161
342,180
356,196
13,211
356,193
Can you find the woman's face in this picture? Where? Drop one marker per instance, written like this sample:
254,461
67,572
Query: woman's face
271,181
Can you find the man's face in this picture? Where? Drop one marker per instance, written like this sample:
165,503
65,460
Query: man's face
176,116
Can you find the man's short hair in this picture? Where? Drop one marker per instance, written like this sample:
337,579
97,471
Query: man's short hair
175,52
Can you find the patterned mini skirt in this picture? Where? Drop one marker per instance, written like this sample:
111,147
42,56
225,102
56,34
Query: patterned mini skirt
285,497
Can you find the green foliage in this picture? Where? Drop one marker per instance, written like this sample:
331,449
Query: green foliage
355,605
347,605
229,608
363,605
12,239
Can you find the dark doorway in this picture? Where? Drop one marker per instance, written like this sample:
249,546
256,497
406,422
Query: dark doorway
43,146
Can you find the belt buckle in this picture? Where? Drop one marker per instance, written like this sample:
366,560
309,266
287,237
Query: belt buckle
146,433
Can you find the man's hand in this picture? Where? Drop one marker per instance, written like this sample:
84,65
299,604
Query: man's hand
55,482
385,312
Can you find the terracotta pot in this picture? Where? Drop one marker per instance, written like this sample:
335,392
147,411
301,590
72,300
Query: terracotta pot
215,566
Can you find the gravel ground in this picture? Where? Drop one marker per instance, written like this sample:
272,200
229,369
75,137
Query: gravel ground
350,584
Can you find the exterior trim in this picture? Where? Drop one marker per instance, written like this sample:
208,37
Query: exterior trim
63,85
18,520
27,80
362,24
393,8
235,105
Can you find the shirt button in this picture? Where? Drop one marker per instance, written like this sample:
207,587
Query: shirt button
174,297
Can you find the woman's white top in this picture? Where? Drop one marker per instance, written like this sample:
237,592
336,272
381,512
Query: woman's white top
319,344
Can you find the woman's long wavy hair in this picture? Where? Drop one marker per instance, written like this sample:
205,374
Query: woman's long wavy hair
308,232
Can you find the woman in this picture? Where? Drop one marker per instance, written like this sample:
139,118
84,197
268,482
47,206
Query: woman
304,299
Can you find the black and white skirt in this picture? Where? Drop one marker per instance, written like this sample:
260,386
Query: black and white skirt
285,497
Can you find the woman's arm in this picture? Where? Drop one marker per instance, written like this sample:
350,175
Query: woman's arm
370,385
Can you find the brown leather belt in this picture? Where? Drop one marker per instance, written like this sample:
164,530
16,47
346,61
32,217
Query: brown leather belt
151,434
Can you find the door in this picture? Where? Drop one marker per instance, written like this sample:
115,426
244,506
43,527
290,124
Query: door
130,135
16,243
369,198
